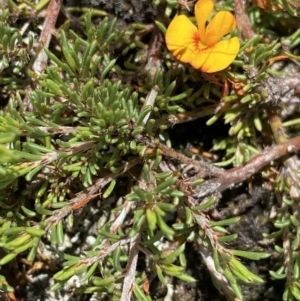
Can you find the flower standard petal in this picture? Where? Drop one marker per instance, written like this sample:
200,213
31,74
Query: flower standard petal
219,26
203,8
217,57
182,38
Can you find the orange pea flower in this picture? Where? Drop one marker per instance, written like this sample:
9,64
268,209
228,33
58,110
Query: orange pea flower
201,47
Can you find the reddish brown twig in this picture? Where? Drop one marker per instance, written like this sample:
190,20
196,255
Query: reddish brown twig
94,190
171,120
242,20
241,173
154,61
205,168
90,193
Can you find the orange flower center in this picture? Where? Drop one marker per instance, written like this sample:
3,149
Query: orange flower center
199,46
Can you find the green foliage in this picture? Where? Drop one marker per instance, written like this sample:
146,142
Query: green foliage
93,120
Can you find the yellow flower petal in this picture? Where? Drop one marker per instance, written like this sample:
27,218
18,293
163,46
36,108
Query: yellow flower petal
217,57
200,46
182,38
219,26
203,8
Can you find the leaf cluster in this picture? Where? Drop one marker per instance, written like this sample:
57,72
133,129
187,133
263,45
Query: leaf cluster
92,119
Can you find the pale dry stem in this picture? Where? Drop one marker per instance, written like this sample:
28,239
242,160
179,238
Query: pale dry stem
52,12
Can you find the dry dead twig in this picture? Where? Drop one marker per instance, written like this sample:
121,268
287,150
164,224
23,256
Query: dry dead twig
131,268
52,12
